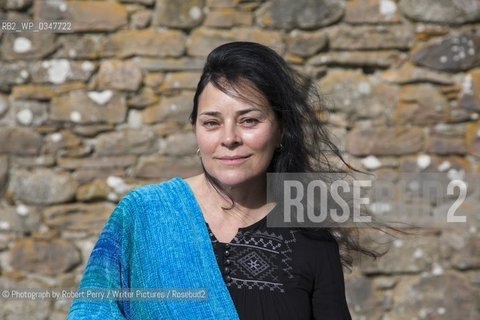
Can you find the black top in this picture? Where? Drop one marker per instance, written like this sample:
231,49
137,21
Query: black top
282,273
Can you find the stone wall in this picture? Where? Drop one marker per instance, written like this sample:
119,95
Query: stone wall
87,115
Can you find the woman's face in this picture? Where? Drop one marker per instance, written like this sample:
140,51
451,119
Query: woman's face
236,138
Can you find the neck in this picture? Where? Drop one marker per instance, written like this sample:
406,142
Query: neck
249,198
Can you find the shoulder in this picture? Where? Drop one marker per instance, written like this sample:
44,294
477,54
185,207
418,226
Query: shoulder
314,250
319,243
320,235
162,191
311,242
153,197
152,203
322,252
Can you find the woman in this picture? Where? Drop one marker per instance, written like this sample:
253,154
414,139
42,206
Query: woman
252,114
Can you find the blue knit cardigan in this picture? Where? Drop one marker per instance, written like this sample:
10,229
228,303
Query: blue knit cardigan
155,238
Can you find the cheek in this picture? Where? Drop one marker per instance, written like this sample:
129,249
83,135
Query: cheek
205,142
261,141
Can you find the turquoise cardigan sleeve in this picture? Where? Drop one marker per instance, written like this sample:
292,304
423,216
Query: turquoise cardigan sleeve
155,238
103,270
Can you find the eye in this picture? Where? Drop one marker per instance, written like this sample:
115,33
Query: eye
250,121
209,124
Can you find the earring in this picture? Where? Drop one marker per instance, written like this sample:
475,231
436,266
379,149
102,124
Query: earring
280,147
198,152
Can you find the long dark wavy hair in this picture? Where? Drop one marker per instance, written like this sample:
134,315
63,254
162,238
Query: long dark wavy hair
296,103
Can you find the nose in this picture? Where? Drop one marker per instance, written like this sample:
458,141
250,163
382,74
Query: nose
231,137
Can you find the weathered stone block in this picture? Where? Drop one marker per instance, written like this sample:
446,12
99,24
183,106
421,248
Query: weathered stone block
93,191
92,129
28,45
148,42
58,71
424,297
180,144
33,162
145,98
16,4
97,162
375,59
34,309
144,2
155,167
3,105
222,3
44,257
33,92
20,141
167,128
153,79
127,141
450,130
227,18
372,11
302,14
408,73
78,46
140,19
417,113
78,216
452,54
83,15
435,164
473,138
384,141
445,11
462,248
42,186
421,105
3,173
83,176
470,96
30,113
180,64
204,40
184,14
176,108
43,92
427,179
13,74
404,256
21,220
356,95
93,107
63,139
363,299
446,145
180,80
305,44
370,37
119,75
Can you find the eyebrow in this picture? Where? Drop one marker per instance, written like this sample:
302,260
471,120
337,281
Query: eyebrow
240,112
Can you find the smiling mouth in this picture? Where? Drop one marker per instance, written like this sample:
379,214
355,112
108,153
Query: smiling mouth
233,160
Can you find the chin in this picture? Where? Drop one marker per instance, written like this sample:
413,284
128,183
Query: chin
232,178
